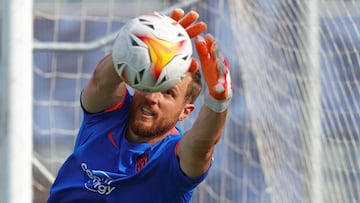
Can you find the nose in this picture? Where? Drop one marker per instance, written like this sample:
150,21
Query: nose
153,97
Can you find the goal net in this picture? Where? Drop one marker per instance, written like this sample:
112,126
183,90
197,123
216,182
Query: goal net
292,132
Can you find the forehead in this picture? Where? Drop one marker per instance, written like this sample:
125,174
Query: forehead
180,88
184,83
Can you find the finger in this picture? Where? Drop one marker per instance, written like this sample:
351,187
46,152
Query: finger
188,19
196,29
177,14
193,66
211,43
201,47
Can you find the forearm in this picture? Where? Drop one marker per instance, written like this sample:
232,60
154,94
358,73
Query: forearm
105,75
207,129
197,146
104,89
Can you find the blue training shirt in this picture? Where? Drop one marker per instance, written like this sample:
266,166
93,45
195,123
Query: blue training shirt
105,167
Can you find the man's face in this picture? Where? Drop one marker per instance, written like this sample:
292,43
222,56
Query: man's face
154,114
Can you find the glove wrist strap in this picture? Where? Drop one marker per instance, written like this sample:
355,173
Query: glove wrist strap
216,105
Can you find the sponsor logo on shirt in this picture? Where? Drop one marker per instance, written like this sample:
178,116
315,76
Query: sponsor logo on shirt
99,181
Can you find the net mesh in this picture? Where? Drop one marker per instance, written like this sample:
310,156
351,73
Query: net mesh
292,132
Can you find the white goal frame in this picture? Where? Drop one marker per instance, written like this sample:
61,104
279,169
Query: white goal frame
16,101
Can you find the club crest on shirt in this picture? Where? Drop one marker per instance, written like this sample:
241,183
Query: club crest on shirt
141,161
99,181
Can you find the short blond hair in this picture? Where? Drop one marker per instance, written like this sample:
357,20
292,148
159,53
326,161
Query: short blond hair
194,87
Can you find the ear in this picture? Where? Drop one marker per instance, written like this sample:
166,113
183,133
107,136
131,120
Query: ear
188,108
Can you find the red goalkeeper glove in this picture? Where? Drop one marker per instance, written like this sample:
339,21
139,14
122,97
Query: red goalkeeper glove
216,74
193,28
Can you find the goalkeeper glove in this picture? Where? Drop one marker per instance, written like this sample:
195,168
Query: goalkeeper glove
193,29
188,22
216,74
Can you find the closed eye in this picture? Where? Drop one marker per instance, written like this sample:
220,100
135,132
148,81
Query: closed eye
170,92
167,92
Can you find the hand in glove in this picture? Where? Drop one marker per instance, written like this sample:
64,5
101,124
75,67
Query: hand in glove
215,72
188,22
193,28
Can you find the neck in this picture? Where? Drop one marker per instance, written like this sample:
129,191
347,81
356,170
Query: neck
134,138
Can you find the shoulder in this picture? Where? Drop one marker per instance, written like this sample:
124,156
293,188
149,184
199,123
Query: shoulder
110,120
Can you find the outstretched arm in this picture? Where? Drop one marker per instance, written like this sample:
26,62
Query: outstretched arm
197,145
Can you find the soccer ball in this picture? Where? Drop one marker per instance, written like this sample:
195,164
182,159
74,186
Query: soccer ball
152,52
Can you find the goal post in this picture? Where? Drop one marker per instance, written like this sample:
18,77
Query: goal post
16,101
311,104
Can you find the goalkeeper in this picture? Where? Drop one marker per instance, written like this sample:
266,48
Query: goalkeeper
129,149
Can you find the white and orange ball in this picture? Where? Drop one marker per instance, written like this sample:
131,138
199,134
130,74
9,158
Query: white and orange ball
152,52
